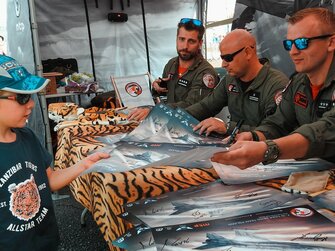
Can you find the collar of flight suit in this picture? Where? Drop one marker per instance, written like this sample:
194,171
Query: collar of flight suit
260,78
198,59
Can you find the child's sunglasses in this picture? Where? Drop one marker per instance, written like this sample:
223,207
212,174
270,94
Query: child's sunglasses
196,22
22,99
301,43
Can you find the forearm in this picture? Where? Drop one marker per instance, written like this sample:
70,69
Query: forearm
62,177
294,146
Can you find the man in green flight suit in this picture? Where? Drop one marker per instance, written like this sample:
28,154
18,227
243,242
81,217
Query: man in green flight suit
251,90
304,123
187,78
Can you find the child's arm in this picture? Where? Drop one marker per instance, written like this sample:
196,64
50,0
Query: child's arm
60,178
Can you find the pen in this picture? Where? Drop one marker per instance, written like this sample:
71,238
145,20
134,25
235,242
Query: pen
235,132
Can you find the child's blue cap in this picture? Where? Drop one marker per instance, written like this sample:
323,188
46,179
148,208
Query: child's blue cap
15,78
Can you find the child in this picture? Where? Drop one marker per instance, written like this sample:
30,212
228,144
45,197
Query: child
27,218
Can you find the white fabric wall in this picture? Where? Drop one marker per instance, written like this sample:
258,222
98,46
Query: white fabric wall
16,29
118,48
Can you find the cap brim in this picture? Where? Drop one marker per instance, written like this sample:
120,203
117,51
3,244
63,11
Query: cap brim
29,85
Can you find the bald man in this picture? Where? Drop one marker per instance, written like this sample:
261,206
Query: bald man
251,90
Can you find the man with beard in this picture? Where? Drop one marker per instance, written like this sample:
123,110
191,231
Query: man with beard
187,78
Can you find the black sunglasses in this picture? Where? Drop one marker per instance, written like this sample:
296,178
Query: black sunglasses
22,99
301,43
230,57
196,22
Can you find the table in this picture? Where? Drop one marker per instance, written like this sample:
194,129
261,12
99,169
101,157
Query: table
103,194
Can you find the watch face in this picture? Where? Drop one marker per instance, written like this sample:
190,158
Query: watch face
272,153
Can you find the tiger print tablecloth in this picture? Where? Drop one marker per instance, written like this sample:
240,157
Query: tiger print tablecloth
103,194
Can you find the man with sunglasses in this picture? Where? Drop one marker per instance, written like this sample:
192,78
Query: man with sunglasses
187,78
27,216
304,123
251,90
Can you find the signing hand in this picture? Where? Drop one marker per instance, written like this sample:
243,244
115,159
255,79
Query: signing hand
211,125
138,114
242,154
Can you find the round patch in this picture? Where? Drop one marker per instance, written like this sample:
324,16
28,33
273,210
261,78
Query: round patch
278,97
301,212
133,89
209,80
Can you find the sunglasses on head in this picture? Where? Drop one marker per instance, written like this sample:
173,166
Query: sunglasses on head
22,99
196,22
301,43
230,57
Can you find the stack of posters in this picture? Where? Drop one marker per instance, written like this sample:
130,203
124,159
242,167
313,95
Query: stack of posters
205,202
165,137
209,202
290,228
287,228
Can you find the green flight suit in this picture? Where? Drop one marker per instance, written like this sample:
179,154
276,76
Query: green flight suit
192,86
253,105
299,113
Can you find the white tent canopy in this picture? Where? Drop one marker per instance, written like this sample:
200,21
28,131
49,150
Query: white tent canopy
35,30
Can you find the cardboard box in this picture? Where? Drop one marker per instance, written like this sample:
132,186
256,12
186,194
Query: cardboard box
51,88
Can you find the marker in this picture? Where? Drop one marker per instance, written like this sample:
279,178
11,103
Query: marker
235,132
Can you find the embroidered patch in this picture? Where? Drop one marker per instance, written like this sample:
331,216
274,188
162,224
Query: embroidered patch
183,82
300,99
278,97
254,96
233,88
133,89
209,80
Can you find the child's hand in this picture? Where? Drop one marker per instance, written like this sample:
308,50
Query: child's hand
91,159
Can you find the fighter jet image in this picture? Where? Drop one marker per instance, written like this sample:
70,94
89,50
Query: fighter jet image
237,203
215,241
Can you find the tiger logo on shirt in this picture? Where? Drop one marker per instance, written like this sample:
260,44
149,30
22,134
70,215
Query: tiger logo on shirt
25,199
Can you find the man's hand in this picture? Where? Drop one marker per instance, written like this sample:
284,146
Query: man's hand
244,136
138,114
156,85
211,125
242,154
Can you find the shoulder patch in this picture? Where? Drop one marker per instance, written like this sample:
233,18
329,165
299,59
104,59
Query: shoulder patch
209,80
278,97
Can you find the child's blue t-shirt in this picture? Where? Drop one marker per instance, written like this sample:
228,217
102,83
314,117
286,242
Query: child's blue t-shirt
27,217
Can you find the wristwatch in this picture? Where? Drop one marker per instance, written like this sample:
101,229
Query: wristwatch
271,154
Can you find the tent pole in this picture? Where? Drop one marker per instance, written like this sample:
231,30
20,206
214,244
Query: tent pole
145,37
39,71
90,39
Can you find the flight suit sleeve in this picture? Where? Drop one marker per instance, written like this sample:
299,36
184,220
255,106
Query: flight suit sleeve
283,121
276,82
210,105
321,135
